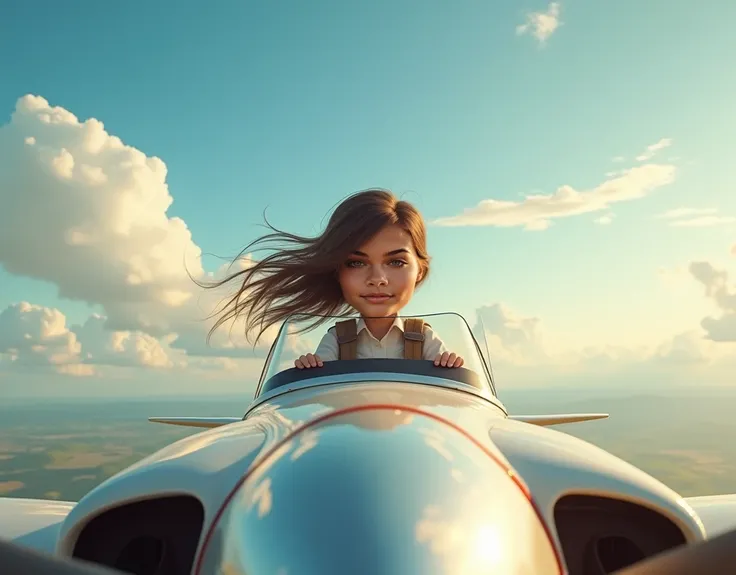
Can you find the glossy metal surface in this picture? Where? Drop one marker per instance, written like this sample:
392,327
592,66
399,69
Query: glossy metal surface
302,405
555,464
379,490
717,512
318,385
33,523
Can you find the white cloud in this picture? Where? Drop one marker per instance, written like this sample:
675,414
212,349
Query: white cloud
35,336
511,338
653,149
541,24
38,338
719,289
122,348
695,218
517,341
523,352
685,348
605,220
537,211
88,213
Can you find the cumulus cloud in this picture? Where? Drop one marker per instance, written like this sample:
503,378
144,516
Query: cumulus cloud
685,348
540,24
653,149
522,351
695,218
511,337
122,348
516,340
33,335
536,212
88,213
36,336
719,289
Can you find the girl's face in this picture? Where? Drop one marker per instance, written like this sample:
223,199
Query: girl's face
379,279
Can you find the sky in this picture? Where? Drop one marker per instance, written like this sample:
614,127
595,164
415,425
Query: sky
572,160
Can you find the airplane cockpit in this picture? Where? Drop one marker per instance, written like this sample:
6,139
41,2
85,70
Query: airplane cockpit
373,359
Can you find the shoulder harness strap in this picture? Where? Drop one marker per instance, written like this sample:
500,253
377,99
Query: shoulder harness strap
414,338
347,338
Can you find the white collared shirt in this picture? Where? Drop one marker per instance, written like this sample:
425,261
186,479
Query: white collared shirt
391,346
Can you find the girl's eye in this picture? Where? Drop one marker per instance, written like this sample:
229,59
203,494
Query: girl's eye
358,263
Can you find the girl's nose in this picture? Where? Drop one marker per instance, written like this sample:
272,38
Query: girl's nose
377,277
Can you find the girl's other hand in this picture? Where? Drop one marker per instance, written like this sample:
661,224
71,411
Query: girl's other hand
307,361
448,359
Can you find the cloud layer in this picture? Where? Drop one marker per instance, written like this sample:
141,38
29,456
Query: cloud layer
88,213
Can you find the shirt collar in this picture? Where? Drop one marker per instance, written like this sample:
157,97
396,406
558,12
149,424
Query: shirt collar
398,323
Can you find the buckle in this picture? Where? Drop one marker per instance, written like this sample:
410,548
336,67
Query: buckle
413,336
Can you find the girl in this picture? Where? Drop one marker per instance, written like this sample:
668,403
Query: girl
370,258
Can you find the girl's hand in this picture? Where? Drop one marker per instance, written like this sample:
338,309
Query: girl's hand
448,359
307,361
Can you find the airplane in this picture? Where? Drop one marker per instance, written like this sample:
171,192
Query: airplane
374,466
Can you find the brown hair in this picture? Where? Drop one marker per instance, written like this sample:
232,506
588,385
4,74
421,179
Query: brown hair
300,276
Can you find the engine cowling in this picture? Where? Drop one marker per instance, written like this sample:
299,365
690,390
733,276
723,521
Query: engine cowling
379,489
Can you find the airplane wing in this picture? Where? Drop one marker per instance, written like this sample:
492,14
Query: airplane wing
717,512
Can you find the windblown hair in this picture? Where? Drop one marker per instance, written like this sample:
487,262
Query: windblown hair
300,276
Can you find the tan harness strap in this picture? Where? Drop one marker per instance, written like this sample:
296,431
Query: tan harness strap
347,338
414,338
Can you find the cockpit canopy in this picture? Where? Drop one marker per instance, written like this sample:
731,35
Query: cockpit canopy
303,333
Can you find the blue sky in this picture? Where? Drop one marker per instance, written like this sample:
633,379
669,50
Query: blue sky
293,106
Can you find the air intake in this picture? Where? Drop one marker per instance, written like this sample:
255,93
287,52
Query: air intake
611,553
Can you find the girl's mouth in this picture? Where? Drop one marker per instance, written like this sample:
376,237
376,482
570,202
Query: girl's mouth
376,297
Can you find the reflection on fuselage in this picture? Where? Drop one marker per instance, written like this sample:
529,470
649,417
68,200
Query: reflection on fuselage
382,490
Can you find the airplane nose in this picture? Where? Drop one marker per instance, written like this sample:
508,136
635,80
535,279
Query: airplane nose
379,491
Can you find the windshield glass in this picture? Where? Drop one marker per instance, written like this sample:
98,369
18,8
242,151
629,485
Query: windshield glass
444,332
